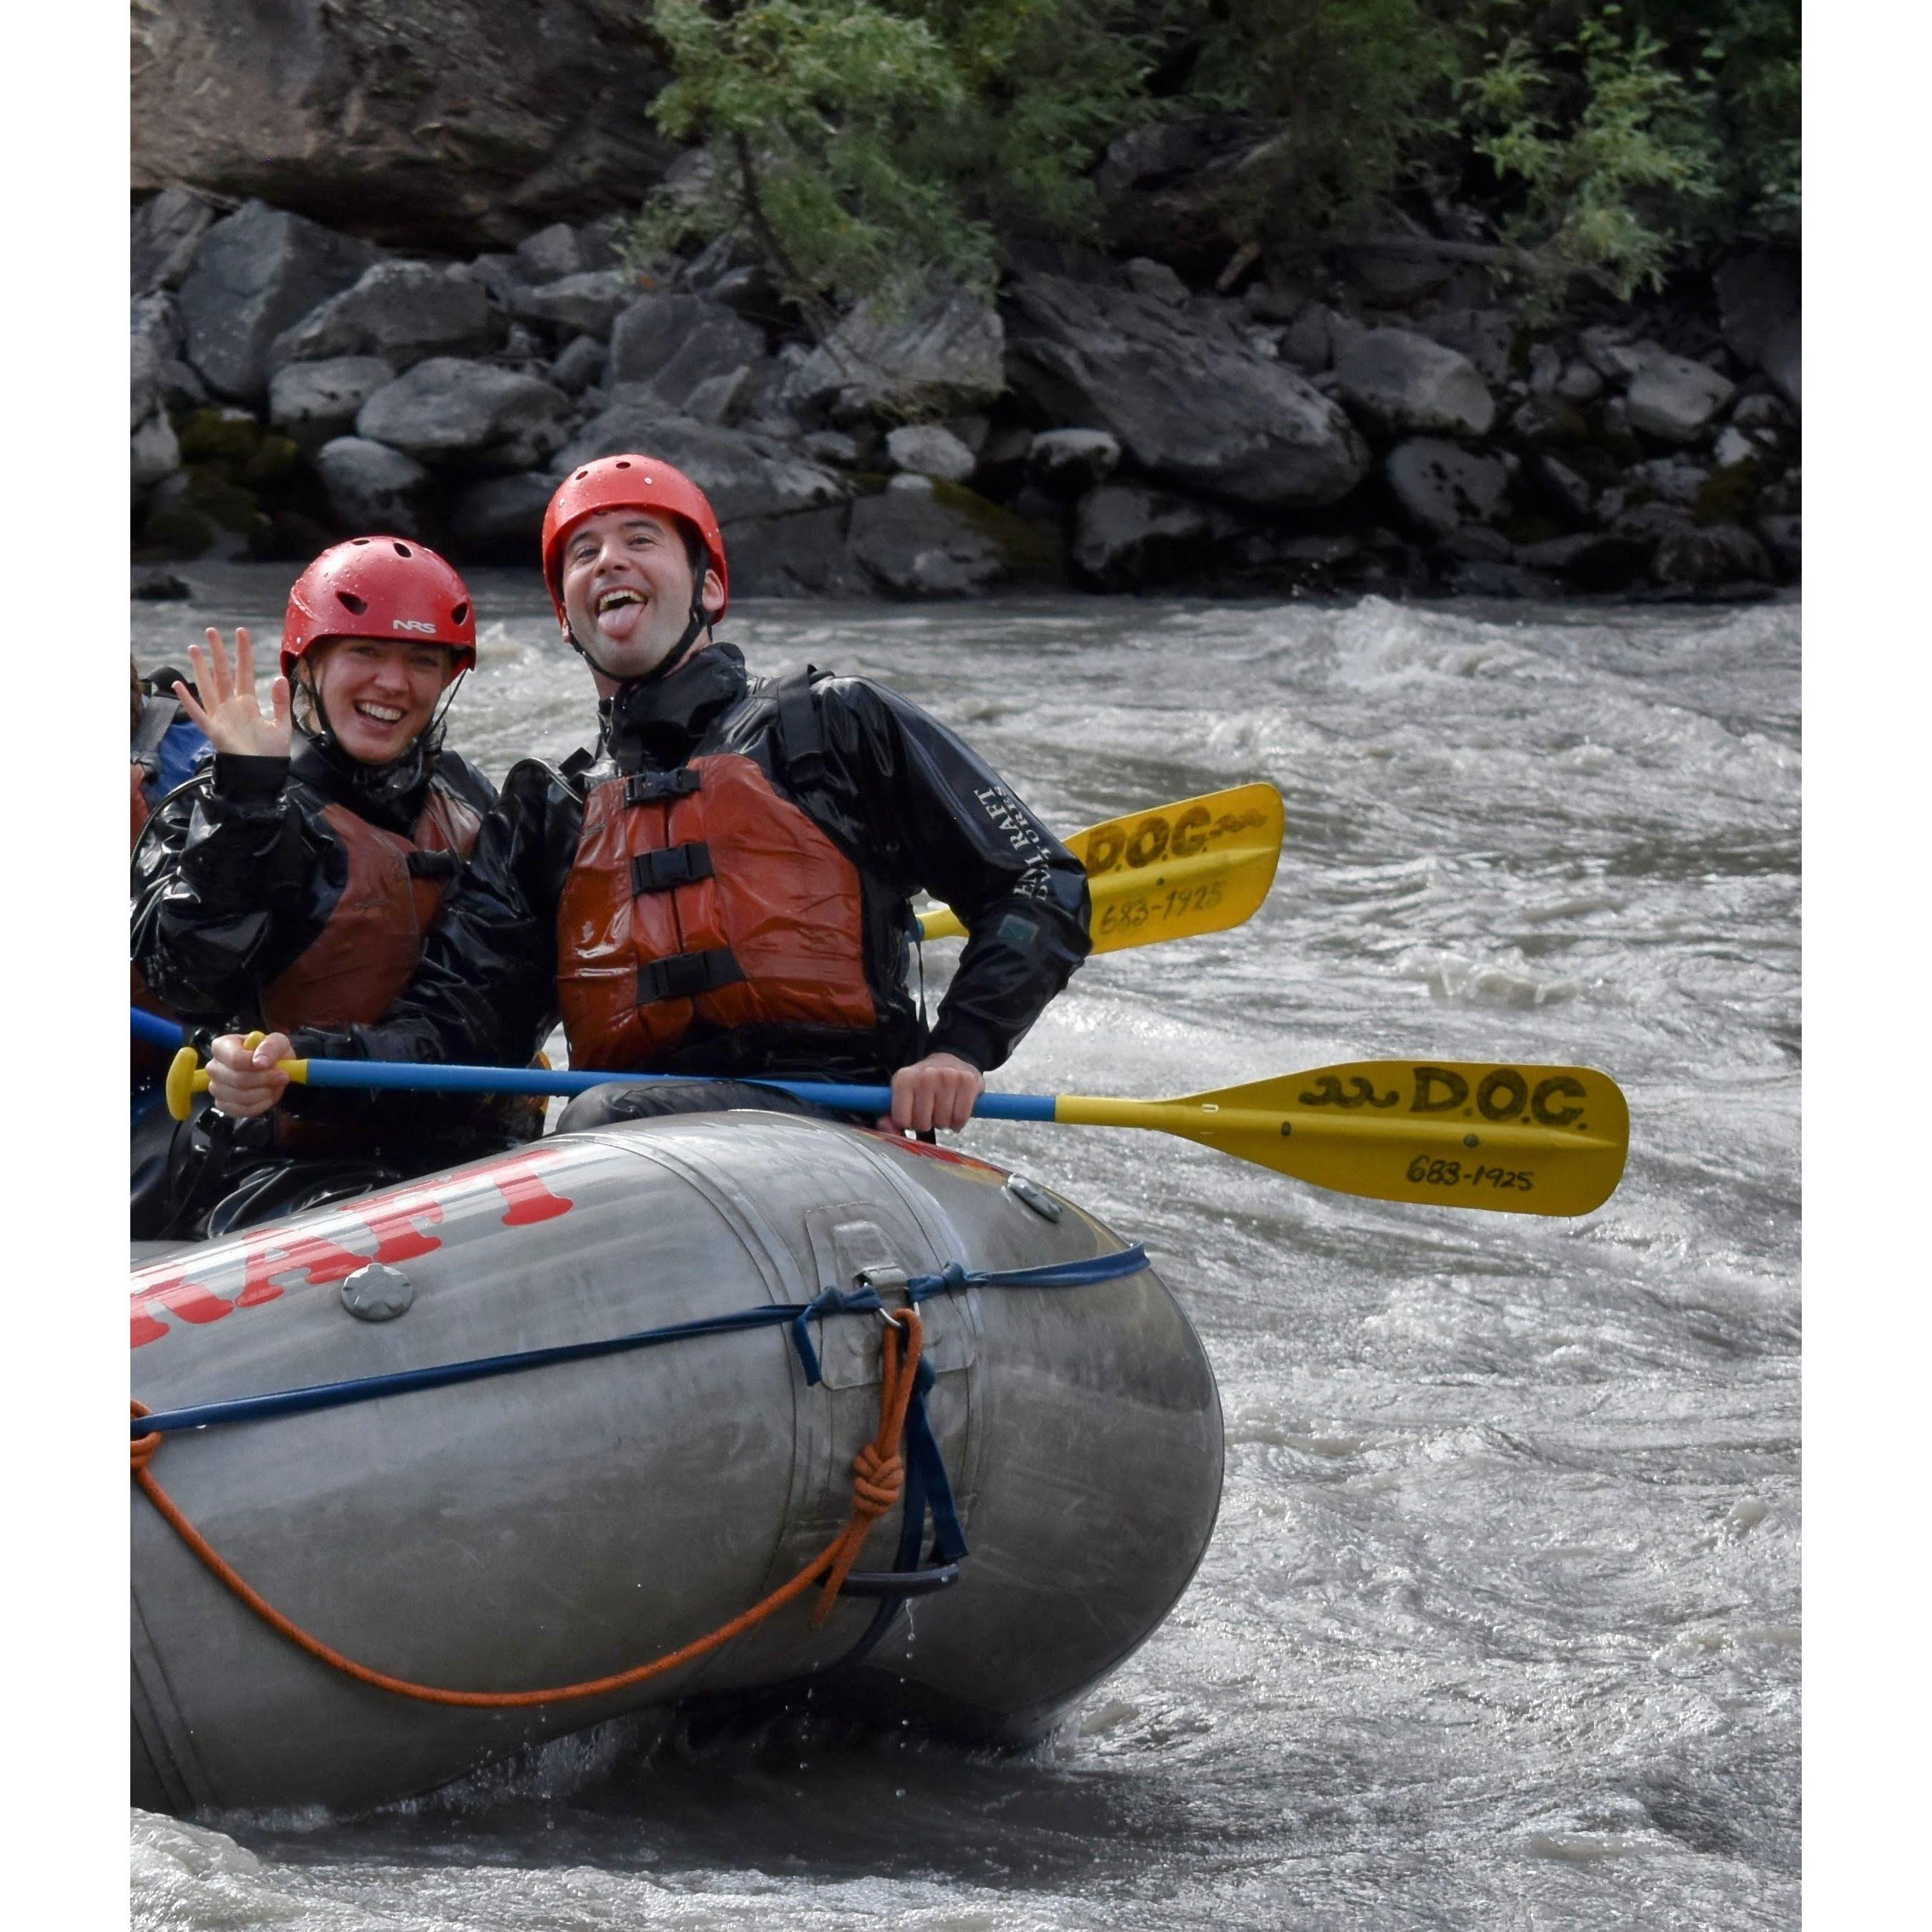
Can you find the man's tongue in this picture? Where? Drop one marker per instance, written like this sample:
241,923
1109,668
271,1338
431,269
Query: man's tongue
620,620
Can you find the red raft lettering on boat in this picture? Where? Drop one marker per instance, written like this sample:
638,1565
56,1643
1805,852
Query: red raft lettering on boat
403,1223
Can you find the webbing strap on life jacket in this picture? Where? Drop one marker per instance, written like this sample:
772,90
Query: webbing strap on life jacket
684,975
670,866
659,788
801,731
423,864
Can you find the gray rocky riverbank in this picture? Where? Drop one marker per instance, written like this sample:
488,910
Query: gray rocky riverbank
1390,418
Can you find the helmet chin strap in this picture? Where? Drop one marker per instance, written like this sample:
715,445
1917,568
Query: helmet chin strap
675,656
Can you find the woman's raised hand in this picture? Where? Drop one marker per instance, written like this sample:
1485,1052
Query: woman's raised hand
229,711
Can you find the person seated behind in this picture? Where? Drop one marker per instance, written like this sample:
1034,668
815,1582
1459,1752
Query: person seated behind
165,746
292,884
724,889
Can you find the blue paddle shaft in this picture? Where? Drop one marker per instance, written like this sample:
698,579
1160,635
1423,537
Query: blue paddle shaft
406,1076
154,1030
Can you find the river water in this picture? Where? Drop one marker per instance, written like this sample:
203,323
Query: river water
1499,1627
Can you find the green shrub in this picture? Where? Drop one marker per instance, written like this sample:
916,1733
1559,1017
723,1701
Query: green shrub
866,146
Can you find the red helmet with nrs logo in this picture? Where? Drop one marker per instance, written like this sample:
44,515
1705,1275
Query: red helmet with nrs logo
629,483
382,587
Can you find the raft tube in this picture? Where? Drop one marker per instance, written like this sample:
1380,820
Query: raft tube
530,1529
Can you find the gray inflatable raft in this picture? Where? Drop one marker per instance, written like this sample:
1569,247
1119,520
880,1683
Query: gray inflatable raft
567,1521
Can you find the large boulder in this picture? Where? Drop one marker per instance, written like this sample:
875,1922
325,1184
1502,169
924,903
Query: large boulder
745,475
447,410
1070,460
1675,399
431,123
1758,294
586,304
944,358
674,343
154,340
372,486
1598,561
1440,485
256,271
1783,361
925,449
317,402
560,250
1706,559
1129,538
1407,383
1188,398
923,539
404,312
581,363
154,450
165,231
502,517
804,555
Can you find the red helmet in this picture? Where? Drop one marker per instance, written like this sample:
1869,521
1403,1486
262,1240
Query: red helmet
379,587
624,483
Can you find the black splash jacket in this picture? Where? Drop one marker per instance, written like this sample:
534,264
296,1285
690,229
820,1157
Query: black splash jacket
900,796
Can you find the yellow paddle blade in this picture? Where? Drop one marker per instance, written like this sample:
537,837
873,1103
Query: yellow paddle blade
1521,1140
1201,865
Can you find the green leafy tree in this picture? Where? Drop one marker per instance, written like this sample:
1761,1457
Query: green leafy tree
1631,134
867,146
1346,100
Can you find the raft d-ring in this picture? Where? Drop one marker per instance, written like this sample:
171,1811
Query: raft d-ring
891,1320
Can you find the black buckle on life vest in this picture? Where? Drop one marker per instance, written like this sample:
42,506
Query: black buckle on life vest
654,787
425,865
686,975
672,865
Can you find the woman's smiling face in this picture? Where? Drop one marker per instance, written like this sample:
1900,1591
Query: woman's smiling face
379,693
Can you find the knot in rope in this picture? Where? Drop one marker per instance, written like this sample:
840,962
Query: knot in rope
142,1448
878,1482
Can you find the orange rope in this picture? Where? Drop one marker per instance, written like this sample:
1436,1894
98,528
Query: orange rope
878,1482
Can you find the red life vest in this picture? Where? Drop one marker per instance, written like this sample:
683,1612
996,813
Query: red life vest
701,895
367,952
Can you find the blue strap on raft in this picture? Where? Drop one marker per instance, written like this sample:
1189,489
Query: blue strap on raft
927,1488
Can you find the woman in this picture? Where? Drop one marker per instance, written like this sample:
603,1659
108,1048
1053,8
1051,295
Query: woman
292,884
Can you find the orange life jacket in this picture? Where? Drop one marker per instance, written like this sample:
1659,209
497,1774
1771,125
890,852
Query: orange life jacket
701,895
367,952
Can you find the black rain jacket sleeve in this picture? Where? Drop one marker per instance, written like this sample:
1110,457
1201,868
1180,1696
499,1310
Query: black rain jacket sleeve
931,814
232,881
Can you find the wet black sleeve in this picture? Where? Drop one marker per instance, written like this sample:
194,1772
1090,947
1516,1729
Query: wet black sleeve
486,989
232,881
938,818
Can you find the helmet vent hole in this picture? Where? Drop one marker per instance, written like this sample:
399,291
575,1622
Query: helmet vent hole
621,464
359,542
357,606
403,549
459,613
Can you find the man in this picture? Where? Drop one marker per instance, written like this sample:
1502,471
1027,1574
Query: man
723,888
